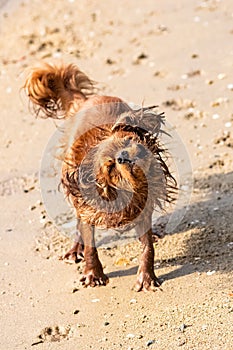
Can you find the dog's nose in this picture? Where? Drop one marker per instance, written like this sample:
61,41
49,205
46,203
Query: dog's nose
123,157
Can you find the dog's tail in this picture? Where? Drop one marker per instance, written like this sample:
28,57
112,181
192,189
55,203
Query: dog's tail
57,91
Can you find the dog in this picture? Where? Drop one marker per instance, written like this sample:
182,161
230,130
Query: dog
114,171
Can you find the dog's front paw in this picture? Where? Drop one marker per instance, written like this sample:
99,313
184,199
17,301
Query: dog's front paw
75,253
94,277
146,281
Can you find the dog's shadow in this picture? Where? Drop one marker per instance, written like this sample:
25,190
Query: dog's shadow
209,244
184,270
127,272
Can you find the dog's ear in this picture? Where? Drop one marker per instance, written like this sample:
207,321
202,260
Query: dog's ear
141,121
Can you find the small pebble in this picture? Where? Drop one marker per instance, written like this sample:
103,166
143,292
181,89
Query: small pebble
215,116
43,219
230,86
130,336
228,125
133,301
182,327
106,323
210,273
150,342
95,300
184,76
219,101
109,61
142,56
76,312
221,76
181,342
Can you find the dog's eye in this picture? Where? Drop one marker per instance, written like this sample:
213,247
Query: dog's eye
141,151
51,81
127,120
109,162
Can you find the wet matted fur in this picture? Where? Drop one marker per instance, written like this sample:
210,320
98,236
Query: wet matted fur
114,166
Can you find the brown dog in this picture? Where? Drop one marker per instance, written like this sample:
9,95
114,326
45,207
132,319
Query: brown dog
113,170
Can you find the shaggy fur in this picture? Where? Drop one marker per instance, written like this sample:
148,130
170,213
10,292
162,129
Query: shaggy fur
113,171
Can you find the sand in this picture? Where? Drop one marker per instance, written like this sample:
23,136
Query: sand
177,54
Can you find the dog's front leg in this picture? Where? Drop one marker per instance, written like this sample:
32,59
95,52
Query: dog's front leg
76,253
146,279
93,272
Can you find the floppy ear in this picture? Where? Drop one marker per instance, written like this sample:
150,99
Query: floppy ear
141,121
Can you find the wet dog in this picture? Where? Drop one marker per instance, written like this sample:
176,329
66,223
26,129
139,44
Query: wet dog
113,171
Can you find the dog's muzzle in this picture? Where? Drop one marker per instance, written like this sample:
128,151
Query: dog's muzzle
123,158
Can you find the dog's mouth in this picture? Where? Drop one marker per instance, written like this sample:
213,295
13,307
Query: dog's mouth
128,167
122,160
132,170
126,156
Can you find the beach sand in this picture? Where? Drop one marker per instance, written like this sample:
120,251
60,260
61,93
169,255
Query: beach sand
175,54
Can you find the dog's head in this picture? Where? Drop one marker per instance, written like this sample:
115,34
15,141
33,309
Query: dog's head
126,157
117,170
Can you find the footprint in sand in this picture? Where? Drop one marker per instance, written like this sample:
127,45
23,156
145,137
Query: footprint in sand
53,334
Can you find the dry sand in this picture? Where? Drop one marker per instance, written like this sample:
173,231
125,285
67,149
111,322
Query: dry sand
177,54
